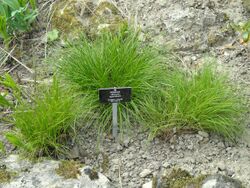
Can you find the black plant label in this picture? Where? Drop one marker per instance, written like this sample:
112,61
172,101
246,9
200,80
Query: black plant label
115,95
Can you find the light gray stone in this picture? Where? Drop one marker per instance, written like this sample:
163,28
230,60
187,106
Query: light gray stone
166,164
221,166
220,181
126,142
147,185
209,184
145,173
115,161
119,147
15,163
203,134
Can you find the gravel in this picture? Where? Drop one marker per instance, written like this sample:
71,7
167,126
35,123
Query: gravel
134,165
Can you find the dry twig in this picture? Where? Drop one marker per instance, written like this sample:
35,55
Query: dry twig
6,58
18,61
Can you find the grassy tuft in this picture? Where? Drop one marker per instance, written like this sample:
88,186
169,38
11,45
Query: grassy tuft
179,178
6,176
42,126
113,60
3,101
200,101
69,169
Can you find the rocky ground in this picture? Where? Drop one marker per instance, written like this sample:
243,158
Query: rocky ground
25,174
135,160
193,29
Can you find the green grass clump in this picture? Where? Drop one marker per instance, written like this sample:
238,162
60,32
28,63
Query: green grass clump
9,91
162,97
200,101
113,60
42,126
3,101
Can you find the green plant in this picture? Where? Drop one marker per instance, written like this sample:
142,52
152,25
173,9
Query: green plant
10,85
31,2
52,35
3,26
16,16
2,147
113,60
3,101
12,88
43,125
200,101
8,91
8,82
244,29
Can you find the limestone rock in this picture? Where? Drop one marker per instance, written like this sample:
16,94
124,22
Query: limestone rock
203,134
220,181
147,185
43,174
145,173
182,178
166,164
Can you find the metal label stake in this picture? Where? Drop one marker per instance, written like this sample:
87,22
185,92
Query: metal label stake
115,120
115,96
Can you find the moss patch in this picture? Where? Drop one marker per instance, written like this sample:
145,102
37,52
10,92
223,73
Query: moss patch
179,178
106,16
74,18
69,169
214,38
65,19
6,176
